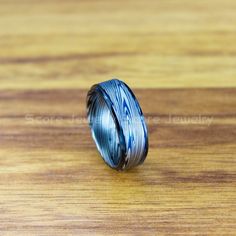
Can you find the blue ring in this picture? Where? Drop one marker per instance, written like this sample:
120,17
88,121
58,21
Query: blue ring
117,124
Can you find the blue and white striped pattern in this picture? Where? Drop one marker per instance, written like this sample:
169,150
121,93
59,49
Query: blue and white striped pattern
117,124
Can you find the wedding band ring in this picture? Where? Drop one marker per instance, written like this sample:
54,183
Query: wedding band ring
117,124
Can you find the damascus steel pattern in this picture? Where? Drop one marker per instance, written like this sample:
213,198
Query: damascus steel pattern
117,124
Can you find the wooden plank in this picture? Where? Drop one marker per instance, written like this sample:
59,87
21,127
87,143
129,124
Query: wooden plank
53,181
148,44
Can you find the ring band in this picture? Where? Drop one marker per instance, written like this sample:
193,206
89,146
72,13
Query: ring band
117,124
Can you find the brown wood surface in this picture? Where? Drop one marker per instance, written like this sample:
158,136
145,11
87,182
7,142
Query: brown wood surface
180,58
147,43
53,181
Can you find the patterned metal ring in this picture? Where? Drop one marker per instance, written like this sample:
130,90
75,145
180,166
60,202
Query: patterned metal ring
117,124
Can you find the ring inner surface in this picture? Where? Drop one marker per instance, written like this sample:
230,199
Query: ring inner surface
104,131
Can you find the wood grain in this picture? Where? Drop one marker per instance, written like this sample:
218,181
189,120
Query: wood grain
53,181
147,43
180,58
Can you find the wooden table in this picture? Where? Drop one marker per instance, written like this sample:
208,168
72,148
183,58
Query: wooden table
180,59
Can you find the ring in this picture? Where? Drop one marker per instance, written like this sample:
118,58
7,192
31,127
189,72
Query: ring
117,124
